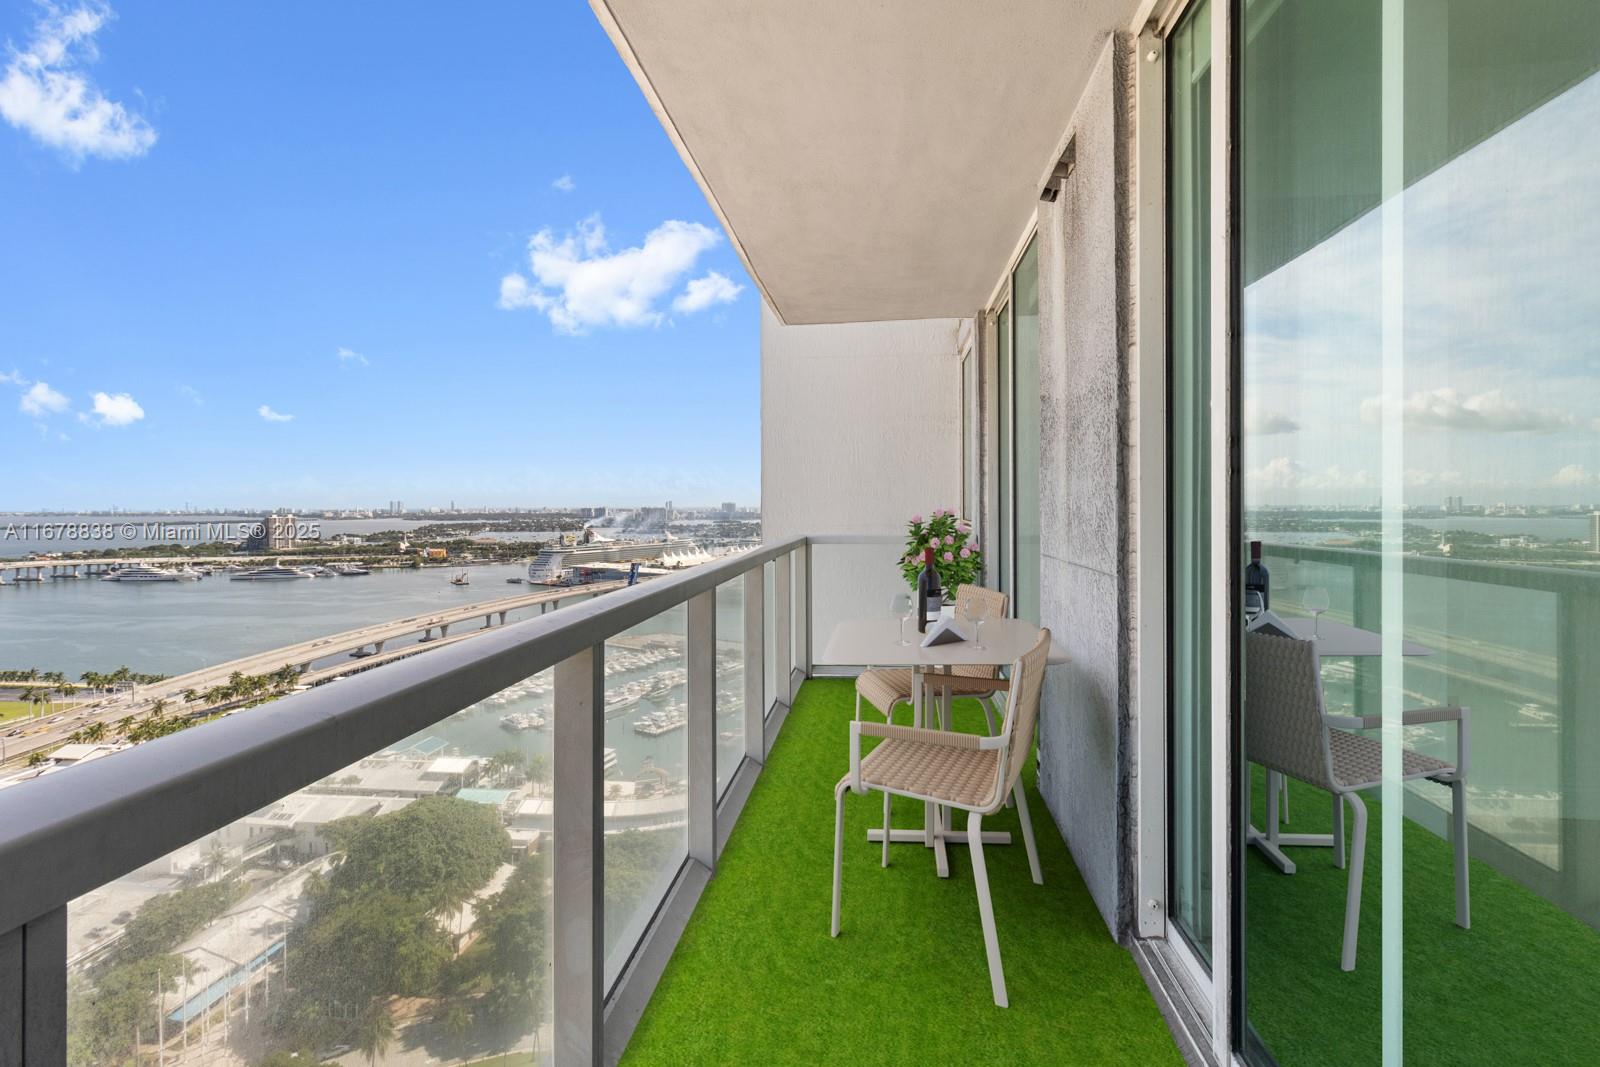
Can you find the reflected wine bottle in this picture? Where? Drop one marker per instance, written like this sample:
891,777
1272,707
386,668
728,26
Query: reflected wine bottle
929,595
1257,583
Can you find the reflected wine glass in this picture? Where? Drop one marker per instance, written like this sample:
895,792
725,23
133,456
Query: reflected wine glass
1316,602
901,605
977,614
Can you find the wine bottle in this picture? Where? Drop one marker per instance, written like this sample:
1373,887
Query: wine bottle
1257,581
929,595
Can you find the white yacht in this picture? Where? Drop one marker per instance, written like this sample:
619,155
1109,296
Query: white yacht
138,572
273,573
347,570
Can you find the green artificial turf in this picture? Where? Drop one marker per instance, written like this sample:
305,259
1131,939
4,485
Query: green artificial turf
757,980
1521,987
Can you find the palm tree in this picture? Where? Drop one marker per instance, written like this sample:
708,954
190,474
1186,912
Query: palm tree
377,1033
95,732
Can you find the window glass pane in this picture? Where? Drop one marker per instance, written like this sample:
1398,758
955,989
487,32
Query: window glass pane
1003,554
730,680
1189,596
969,435
769,633
646,826
1025,302
1420,375
395,910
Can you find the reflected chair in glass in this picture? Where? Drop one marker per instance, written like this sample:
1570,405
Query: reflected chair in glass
885,688
1287,730
955,770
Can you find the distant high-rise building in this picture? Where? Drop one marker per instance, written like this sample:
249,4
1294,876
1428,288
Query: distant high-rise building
729,507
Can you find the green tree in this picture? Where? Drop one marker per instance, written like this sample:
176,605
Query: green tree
513,926
376,1033
438,852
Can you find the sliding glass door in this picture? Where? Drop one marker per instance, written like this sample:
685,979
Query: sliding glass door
1189,482
1420,375
1017,325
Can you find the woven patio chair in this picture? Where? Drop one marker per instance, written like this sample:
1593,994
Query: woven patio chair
975,774
1287,730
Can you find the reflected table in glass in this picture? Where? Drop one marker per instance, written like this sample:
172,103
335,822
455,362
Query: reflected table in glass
876,641
1334,640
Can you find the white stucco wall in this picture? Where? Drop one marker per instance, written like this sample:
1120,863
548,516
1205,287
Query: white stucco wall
860,429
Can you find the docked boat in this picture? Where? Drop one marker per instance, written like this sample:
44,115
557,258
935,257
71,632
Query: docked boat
274,573
523,720
317,570
349,570
138,572
661,722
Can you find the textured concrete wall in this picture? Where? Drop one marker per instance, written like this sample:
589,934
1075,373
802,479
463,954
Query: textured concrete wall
1085,332
860,429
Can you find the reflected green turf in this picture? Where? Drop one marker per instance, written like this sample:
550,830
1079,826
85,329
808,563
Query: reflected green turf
1521,987
757,980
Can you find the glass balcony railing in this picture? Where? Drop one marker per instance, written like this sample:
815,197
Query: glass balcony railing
376,869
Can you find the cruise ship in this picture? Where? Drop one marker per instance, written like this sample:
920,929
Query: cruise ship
275,573
599,560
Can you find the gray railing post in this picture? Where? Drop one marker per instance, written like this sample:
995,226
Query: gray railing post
755,665
33,992
578,949
782,619
702,682
802,608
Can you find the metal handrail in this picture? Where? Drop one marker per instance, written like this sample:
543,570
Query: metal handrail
77,830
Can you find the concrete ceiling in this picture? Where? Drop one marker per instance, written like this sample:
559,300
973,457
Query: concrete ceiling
872,159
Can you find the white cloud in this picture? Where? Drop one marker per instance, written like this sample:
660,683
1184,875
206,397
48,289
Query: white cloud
192,395
701,293
47,92
580,283
1284,473
12,378
117,409
41,400
1492,411
347,356
1258,420
1573,475
564,183
273,416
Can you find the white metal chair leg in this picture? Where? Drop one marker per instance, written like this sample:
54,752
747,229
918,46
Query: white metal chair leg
838,848
1021,793
991,941
1352,900
886,828
1284,780
1338,831
1458,823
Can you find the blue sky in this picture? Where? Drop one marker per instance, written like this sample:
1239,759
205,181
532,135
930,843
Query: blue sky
332,255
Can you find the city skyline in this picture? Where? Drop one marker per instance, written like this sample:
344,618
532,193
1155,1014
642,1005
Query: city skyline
235,275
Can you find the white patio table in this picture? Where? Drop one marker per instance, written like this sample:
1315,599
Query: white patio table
876,641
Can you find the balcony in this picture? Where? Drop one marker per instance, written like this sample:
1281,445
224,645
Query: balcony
396,868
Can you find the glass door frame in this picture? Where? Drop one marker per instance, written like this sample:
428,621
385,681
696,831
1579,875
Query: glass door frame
1000,411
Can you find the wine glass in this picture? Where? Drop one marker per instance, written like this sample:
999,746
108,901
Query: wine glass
901,604
1316,602
977,614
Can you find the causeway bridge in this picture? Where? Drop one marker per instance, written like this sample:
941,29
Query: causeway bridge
372,646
